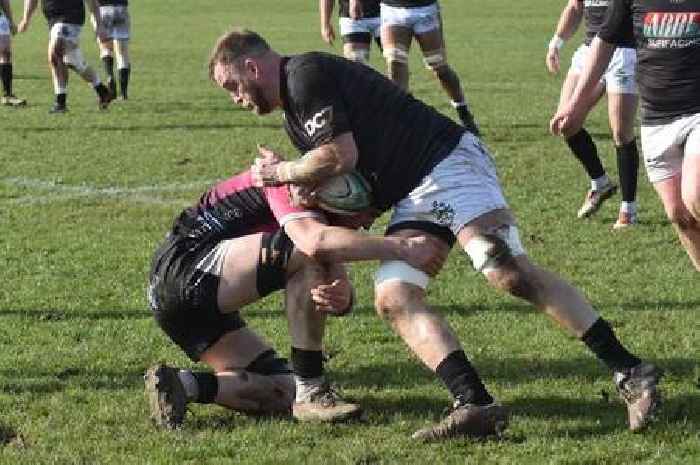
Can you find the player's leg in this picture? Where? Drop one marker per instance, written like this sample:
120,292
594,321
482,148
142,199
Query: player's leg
686,225
396,35
122,33
622,111
691,171
429,34
6,75
356,39
581,143
106,45
59,71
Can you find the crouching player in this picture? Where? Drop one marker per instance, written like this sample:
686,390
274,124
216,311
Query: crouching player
237,245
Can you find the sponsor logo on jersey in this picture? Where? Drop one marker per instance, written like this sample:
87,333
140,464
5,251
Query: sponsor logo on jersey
319,121
672,30
596,3
443,212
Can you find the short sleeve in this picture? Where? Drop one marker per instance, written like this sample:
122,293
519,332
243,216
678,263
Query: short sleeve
282,208
618,27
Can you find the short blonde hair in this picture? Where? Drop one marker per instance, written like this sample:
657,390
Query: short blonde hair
236,44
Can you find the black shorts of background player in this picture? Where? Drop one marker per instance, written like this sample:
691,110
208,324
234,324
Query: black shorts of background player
359,24
66,19
7,30
116,21
402,20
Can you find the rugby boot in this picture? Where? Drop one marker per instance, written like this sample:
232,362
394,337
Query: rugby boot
638,387
625,220
104,96
322,403
467,420
594,199
12,101
58,108
468,120
166,396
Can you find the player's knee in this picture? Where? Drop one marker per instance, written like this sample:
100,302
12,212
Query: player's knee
396,292
396,58
437,63
358,55
681,217
74,59
515,281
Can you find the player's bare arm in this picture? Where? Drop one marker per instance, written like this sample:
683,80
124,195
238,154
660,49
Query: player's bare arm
336,157
29,9
325,10
356,11
328,244
94,10
566,27
571,116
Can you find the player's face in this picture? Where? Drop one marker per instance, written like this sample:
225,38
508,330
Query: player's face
243,90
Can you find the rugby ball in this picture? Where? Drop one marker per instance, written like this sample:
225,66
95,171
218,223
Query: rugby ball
346,194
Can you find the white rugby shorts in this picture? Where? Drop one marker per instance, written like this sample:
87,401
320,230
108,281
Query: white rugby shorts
420,19
619,75
4,25
665,146
116,21
68,32
370,26
460,188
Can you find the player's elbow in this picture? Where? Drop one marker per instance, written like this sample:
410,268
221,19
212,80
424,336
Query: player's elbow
318,247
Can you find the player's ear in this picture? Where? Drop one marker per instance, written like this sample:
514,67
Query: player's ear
252,68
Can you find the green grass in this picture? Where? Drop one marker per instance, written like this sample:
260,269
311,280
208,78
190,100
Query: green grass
85,197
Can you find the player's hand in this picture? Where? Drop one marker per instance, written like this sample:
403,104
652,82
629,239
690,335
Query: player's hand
264,169
302,196
23,25
334,298
552,60
426,253
356,11
328,33
267,153
566,121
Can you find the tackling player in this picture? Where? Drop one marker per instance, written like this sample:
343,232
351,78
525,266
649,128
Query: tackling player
442,183
619,85
237,245
666,34
66,19
114,15
401,21
7,30
359,24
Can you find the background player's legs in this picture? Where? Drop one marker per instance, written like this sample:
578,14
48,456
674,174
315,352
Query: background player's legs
396,41
6,75
107,56
356,46
121,51
690,184
686,225
432,45
622,111
584,149
59,73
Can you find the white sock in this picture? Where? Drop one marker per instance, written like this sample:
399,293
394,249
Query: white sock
305,386
458,104
628,207
189,382
599,183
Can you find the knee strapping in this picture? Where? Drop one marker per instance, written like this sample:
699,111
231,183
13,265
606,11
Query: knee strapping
396,270
489,251
361,55
395,54
435,60
74,59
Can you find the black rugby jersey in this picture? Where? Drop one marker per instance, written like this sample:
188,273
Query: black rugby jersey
666,34
594,15
370,8
408,3
113,2
399,139
64,11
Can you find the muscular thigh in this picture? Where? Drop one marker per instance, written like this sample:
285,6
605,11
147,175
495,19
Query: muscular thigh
239,271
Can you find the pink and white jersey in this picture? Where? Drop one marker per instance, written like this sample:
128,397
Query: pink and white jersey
234,208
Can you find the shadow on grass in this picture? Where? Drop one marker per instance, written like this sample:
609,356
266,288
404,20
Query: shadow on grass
64,315
26,380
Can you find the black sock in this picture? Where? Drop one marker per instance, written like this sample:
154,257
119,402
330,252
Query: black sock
601,339
628,167
6,78
207,387
124,74
61,99
462,380
108,62
307,363
581,144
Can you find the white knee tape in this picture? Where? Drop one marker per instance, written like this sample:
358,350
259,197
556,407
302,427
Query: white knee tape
74,58
396,54
483,253
122,61
361,56
396,270
434,60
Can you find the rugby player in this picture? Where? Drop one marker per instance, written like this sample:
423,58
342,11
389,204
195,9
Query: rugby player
401,21
114,15
7,30
359,24
230,250
66,19
619,85
442,183
666,34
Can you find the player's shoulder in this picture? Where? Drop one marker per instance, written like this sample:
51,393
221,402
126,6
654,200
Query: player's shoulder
312,60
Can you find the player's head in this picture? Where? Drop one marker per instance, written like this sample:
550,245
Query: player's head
237,64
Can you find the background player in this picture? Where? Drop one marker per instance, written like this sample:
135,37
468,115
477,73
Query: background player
401,21
667,38
359,24
116,21
66,19
7,30
619,84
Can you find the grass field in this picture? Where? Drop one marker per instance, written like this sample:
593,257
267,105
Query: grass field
86,196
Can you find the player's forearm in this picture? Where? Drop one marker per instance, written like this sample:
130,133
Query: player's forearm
569,21
325,8
598,59
337,244
319,164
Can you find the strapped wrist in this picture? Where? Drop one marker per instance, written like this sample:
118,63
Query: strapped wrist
556,42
